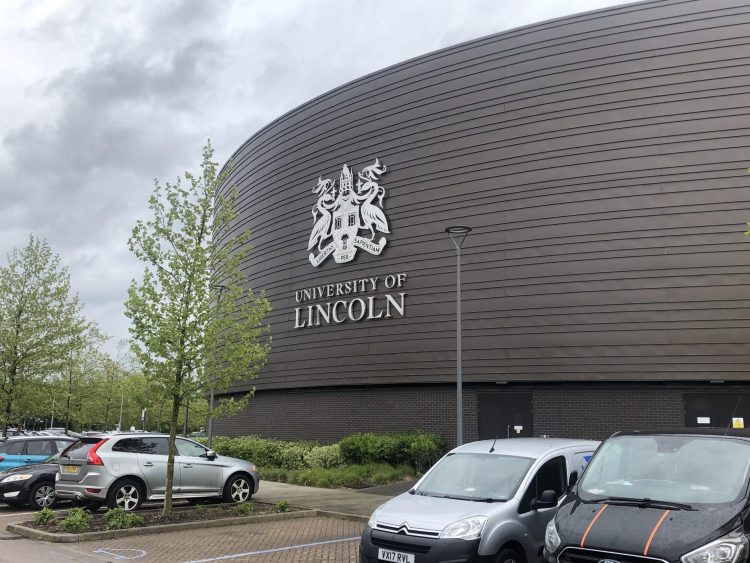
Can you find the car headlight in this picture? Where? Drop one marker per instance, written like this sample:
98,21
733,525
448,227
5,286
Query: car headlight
373,517
724,550
253,469
551,537
466,529
18,477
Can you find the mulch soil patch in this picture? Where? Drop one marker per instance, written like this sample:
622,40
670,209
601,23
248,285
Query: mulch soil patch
179,515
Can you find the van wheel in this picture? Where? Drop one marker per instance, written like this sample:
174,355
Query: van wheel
126,494
508,555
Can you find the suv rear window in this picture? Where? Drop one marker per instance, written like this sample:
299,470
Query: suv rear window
146,445
79,449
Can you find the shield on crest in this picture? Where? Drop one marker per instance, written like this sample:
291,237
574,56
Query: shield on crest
346,226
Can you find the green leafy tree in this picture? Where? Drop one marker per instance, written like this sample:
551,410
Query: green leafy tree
40,323
186,338
81,370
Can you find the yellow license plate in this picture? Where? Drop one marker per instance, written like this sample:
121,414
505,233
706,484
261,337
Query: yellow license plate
70,469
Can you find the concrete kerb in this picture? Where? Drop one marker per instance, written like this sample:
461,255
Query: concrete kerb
34,534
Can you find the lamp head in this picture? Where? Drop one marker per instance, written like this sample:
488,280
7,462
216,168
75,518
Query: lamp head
458,230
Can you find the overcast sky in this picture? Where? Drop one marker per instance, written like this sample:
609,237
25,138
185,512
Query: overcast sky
98,98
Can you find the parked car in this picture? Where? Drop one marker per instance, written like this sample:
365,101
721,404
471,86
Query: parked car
123,470
677,496
27,450
30,484
484,501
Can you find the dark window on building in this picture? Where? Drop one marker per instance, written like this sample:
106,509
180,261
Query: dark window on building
337,223
352,219
551,476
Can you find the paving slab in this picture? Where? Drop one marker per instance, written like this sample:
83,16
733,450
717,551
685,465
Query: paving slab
308,539
333,500
391,490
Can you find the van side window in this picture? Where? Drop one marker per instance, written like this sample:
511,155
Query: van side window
551,476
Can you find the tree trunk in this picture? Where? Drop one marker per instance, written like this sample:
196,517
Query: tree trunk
11,393
67,414
8,414
170,458
67,403
106,409
161,410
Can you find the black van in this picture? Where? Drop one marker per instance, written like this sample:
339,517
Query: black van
672,497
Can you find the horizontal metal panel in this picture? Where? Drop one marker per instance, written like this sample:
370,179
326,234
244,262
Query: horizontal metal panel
601,159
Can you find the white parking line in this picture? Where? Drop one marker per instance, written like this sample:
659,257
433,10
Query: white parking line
274,550
3,513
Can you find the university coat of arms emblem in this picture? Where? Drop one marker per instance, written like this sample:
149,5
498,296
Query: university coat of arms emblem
343,210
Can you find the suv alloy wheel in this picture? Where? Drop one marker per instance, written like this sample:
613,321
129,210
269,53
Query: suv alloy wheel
126,494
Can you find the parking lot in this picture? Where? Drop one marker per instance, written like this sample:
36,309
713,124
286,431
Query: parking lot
306,539
303,539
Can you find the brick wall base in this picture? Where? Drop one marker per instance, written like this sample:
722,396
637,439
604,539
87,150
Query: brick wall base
566,410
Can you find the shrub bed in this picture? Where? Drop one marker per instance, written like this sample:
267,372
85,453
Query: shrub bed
416,449
80,520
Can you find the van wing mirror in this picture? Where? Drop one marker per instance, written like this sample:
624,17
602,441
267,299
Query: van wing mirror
548,499
573,479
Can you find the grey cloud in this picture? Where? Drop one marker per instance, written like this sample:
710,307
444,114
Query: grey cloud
142,85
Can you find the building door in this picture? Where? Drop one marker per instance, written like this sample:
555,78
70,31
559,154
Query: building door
717,410
504,415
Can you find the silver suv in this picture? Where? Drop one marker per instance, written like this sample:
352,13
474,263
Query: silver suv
123,470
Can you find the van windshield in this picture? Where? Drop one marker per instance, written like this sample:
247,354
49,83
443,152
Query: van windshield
471,476
669,468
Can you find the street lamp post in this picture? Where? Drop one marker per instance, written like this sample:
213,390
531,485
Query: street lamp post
458,234
210,429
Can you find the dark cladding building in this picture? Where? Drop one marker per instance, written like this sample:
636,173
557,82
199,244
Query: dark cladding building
601,160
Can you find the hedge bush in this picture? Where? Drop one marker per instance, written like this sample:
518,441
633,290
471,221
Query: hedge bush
264,452
417,449
325,457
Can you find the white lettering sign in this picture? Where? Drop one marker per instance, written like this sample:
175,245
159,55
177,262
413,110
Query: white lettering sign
355,306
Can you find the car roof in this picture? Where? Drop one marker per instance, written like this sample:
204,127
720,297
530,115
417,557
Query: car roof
139,434
525,447
717,432
17,438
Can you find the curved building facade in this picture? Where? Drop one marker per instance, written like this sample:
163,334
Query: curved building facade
601,161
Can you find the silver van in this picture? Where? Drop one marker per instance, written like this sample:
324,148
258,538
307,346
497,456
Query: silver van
123,470
484,501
